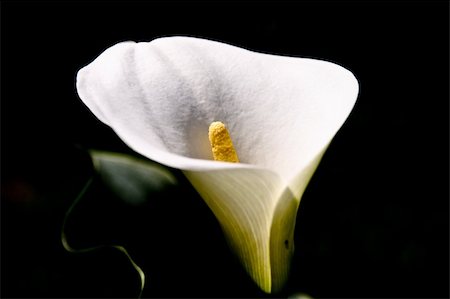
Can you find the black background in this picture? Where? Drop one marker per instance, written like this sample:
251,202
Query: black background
372,223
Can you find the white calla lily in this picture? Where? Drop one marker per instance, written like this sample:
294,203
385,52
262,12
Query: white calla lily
282,112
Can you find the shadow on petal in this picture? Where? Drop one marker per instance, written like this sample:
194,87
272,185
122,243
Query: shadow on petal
282,239
244,202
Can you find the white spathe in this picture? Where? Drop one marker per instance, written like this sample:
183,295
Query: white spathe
282,112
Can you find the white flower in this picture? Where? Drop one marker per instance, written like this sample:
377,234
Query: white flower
282,112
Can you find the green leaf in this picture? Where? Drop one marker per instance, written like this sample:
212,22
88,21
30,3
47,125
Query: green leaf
130,178
94,221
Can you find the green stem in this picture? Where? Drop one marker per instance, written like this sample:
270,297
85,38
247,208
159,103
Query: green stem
122,249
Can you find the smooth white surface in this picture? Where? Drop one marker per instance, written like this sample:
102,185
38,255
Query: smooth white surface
282,112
